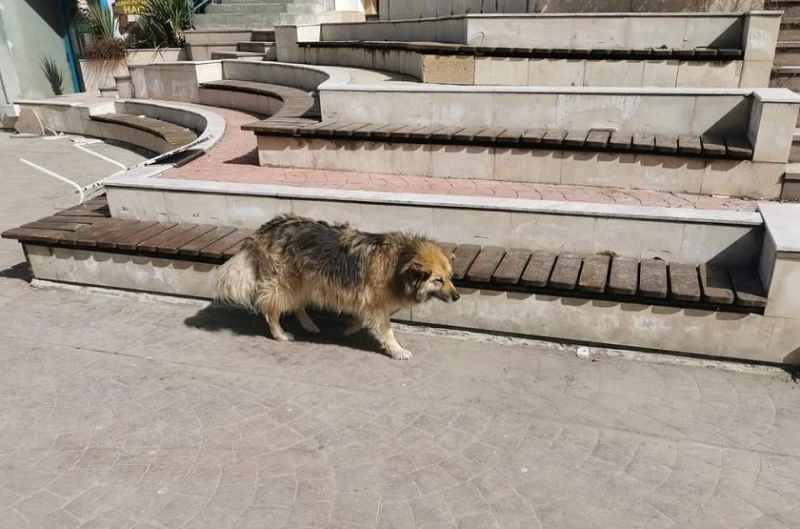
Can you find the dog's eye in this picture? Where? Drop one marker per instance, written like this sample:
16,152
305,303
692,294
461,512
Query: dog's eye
438,281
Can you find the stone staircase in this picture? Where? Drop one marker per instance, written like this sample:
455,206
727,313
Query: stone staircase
786,74
227,14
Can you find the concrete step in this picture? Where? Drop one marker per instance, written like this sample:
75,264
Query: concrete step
219,55
791,182
254,46
790,8
787,54
230,21
794,155
790,30
786,77
269,2
246,9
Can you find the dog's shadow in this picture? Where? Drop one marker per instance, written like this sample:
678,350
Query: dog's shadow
215,318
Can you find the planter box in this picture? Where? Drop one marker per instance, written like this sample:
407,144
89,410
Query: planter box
99,74
148,56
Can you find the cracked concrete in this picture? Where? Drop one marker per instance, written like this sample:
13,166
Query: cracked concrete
122,413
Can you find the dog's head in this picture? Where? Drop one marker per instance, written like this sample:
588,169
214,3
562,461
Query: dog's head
427,274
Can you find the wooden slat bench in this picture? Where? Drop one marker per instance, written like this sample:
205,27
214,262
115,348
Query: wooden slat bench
175,136
706,146
591,277
618,54
298,108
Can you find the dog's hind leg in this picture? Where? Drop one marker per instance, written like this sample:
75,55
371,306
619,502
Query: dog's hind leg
304,319
355,325
381,328
273,307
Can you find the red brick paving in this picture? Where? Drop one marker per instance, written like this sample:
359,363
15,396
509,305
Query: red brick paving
234,159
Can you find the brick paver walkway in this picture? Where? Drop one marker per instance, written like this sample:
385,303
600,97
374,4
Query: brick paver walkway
235,159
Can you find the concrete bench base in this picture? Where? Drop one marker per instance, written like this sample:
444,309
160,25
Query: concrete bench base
687,331
625,171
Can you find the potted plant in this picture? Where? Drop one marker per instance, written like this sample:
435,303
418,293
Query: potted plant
104,55
157,35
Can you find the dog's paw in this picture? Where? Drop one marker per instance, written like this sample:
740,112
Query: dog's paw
402,354
285,337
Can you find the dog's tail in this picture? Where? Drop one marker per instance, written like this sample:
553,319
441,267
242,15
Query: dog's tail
235,282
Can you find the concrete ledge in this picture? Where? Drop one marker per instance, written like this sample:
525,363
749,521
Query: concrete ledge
688,236
695,332
655,172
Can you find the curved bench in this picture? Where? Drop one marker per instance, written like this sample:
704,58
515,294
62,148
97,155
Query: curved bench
591,140
152,134
282,103
704,53
598,276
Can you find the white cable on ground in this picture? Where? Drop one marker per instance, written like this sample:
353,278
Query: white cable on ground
102,157
54,175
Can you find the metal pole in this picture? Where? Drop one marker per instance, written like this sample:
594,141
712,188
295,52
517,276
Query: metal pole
76,83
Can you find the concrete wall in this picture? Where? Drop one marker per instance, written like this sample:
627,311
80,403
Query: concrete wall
32,33
405,9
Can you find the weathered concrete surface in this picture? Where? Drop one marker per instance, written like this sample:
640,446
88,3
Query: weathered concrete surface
117,413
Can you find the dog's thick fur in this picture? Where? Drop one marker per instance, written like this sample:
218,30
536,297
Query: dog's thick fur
292,263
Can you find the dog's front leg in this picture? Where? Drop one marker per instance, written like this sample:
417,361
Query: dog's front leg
382,330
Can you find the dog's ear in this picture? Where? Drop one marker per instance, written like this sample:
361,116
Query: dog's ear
414,272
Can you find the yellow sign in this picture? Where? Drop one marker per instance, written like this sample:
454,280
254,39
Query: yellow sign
130,7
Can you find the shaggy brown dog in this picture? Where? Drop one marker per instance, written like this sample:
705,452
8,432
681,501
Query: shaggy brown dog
292,263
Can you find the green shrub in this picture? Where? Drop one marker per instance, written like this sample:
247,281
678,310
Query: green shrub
162,23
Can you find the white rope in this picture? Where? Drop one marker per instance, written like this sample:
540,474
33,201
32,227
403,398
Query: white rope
102,157
54,175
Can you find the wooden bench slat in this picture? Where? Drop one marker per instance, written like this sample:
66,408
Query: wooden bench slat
489,134
713,145
425,133
623,279
653,278
131,242
576,138
84,219
485,264
667,143
511,135
34,235
565,272
540,267
465,255
111,242
57,226
684,282
468,133
554,137
447,248
196,246
621,140
152,244
510,269
367,131
643,141
405,132
172,246
219,248
594,274
90,236
446,133
689,144
598,139
348,129
747,287
532,136
716,284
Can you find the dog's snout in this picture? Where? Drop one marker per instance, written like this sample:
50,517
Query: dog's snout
455,297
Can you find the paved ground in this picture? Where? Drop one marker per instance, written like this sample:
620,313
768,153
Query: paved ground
118,413
234,159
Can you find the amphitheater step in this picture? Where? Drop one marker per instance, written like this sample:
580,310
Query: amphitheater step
790,30
216,55
260,8
258,20
786,77
790,8
598,276
787,54
152,134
